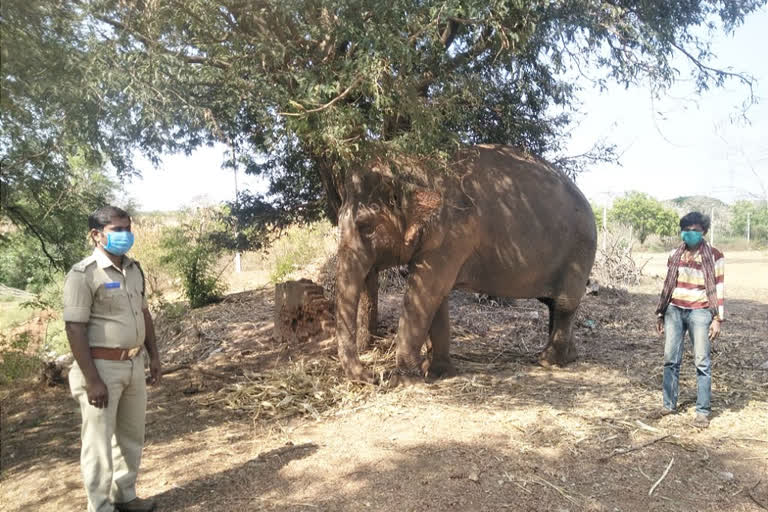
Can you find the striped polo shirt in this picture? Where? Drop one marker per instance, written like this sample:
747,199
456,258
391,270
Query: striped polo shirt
690,290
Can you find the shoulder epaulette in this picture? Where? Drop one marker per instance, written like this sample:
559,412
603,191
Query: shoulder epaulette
82,265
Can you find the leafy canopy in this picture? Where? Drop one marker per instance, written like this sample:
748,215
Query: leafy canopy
645,215
757,214
49,221
305,89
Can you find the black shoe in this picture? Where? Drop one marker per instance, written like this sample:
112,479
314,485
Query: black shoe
136,505
660,413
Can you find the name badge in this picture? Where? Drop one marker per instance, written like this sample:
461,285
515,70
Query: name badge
114,284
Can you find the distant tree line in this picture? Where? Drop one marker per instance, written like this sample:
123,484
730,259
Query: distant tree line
647,216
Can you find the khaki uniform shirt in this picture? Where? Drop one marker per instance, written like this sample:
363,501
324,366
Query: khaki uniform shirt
108,299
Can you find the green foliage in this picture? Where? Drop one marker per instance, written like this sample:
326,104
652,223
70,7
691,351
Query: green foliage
306,90
597,211
171,311
193,250
47,216
16,364
49,296
645,215
299,245
149,250
12,313
758,219
56,342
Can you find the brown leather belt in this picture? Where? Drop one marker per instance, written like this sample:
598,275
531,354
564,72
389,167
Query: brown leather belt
115,354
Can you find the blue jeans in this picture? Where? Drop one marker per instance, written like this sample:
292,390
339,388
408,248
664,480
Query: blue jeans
676,322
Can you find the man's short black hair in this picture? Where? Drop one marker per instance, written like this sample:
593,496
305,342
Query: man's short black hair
692,218
104,215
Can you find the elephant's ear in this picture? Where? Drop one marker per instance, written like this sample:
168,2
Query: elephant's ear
423,207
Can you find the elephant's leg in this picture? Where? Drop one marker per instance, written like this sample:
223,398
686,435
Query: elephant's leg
560,350
551,307
428,285
440,334
367,311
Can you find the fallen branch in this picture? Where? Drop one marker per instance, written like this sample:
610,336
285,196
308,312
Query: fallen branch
212,373
646,427
663,475
635,447
558,489
174,368
749,493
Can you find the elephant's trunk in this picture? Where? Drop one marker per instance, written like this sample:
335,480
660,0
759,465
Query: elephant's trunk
351,272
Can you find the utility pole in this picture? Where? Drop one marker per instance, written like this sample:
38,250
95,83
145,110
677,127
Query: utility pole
237,233
605,225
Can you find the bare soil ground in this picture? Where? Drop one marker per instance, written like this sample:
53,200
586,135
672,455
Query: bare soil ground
503,435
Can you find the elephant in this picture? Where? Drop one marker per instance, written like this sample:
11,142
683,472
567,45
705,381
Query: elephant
495,220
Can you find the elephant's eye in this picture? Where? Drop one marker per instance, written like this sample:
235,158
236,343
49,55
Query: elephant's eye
366,227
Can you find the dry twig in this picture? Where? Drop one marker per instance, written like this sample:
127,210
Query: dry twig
560,490
635,447
749,493
663,475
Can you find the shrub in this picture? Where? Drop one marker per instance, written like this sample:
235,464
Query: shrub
149,251
17,365
193,250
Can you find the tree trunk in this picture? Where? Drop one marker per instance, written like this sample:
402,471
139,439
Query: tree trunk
367,311
333,187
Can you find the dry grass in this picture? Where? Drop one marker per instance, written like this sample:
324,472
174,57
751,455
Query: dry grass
311,388
272,427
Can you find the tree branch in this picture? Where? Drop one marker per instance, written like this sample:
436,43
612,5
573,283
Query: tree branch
708,70
150,44
328,105
16,213
462,58
449,34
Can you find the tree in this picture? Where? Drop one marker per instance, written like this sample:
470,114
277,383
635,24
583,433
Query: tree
49,215
304,90
645,215
57,133
193,250
320,87
597,211
757,212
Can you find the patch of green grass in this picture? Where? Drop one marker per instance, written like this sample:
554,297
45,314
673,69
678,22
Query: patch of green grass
17,365
172,310
56,342
12,314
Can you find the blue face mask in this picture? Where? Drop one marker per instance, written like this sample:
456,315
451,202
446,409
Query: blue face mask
119,242
691,238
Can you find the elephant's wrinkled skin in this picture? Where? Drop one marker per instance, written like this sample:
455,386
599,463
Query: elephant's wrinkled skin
497,222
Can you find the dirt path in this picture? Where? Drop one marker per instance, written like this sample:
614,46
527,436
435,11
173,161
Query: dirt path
503,435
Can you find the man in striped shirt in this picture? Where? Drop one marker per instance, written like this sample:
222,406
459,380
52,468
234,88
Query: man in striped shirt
692,300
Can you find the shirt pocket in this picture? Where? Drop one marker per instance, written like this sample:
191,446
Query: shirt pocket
109,300
134,295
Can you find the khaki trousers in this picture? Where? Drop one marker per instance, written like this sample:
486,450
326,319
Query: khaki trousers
112,438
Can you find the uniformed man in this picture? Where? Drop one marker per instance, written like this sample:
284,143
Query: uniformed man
110,329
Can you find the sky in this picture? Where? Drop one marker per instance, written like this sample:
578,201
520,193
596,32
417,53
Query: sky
682,144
